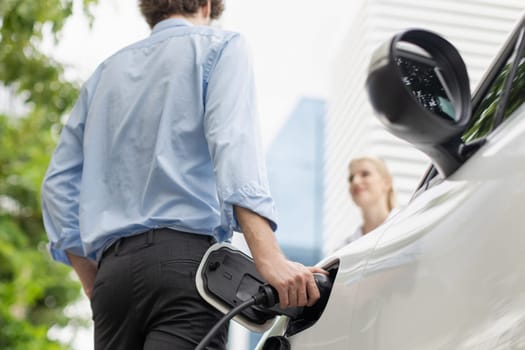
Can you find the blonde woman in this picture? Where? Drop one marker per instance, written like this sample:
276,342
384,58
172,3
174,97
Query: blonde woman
371,189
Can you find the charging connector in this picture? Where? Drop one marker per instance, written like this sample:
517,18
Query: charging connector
266,297
228,280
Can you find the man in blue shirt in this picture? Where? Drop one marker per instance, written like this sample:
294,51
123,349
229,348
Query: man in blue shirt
159,158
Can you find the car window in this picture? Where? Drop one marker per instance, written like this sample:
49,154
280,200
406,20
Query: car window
484,116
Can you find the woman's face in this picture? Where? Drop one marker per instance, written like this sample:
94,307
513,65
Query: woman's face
367,186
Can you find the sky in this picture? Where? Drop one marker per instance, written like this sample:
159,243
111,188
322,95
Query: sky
293,43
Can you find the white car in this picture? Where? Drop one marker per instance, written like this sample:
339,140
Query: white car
448,270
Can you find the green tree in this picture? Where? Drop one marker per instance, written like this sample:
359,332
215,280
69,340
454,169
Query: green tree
33,289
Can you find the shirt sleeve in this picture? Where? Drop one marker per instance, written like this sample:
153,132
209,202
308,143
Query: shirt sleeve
232,131
61,187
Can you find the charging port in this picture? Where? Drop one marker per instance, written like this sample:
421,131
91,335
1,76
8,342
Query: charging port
309,315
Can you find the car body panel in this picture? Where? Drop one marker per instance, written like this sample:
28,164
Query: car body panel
446,272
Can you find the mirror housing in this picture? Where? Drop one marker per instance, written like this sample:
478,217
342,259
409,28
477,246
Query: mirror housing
418,85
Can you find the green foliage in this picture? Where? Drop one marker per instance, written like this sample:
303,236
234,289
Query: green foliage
33,289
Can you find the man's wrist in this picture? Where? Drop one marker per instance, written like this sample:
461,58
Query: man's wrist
268,258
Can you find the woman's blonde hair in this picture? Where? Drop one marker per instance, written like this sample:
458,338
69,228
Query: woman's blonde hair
381,167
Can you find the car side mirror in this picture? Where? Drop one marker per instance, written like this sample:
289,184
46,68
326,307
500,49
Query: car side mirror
418,85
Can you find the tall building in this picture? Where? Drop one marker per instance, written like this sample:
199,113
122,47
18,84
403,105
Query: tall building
477,28
295,173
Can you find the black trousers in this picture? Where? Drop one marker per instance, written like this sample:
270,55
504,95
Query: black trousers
145,297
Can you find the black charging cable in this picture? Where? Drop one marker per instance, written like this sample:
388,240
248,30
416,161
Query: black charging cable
266,296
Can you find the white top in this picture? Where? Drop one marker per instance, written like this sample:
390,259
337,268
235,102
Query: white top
358,233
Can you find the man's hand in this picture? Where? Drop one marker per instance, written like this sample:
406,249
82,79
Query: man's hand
86,271
293,281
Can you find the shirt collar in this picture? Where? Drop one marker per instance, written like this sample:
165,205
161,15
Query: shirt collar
171,22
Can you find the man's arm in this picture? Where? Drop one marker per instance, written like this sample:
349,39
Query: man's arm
61,190
293,281
232,132
86,271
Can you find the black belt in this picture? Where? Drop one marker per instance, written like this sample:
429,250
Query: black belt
147,238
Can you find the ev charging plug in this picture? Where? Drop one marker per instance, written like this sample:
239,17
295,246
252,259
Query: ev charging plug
266,298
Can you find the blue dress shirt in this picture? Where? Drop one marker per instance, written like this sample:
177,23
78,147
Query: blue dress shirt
164,134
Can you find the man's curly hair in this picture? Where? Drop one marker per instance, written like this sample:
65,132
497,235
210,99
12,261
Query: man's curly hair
155,11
